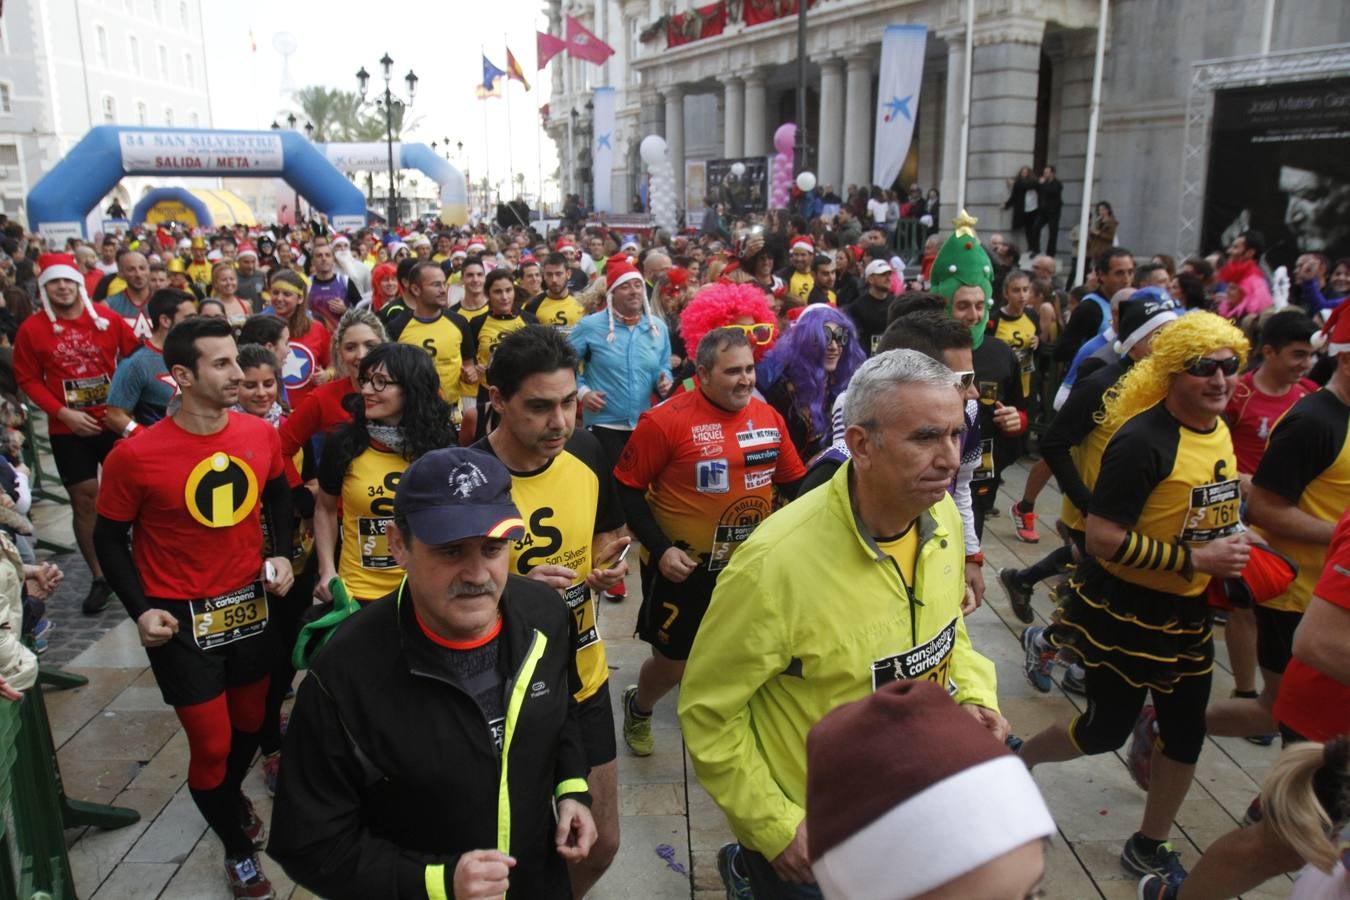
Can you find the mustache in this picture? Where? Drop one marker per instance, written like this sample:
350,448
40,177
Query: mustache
459,589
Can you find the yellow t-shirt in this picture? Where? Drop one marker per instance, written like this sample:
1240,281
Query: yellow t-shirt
562,313
1017,334
445,339
905,551
486,332
800,285
367,566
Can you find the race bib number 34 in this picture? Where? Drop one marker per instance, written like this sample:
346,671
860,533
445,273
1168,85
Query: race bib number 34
930,661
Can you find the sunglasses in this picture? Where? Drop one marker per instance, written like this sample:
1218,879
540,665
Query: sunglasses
758,333
838,336
1204,367
964,380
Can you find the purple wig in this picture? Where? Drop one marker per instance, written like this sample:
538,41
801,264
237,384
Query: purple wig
799,359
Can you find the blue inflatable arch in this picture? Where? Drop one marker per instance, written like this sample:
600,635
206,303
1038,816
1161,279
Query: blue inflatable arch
374,157
181,195
58,204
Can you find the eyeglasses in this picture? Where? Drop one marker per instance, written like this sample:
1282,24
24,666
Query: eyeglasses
964,380
378,382
838,336
759,333
1205,367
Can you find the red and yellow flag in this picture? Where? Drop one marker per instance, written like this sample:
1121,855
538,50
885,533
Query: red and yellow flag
513,69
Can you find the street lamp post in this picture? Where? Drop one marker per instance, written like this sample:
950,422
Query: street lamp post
363,84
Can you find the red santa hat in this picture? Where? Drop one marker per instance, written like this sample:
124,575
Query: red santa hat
617,272
54,266
1334,337
458,252
246,249
565,244
476,245
802,242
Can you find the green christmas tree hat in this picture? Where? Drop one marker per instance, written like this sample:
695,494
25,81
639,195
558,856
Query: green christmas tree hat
962,262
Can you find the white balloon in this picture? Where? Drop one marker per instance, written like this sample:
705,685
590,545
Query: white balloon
738,169
806,181
652,149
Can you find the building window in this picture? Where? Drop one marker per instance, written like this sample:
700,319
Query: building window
189,71
183,15
142,116
194,120
9,156
134,48
6,102
109,110
101,44
163,61
168,116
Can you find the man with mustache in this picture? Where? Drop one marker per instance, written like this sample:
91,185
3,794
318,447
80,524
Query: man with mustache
437,735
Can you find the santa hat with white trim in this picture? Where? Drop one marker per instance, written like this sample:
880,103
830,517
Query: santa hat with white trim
618,271
906,792
1334,338
802,242
53,266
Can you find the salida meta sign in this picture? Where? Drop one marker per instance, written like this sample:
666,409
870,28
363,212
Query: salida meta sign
201,153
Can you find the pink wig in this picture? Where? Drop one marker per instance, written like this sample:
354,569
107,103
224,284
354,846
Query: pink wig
719,305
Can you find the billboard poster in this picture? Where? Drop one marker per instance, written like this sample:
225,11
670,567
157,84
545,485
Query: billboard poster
1277,163
746,192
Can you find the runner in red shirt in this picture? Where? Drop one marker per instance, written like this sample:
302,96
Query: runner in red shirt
201,480
357,334
1262,398
695,479
64,358
305,365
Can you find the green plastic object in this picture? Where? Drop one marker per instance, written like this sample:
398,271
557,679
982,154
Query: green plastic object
315,634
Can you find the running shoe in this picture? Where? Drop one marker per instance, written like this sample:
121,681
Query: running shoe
1139,757
1155,887
1024,523
255,829
1262,740
637,730
246,879
1019,594
1074,680
100,593
1039,657
1013,743
616,593
1163,862
42,633
271,767
737,885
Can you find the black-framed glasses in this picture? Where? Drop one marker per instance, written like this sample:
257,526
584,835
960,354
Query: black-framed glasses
1205,367
834,335
759,333
964,379
377,381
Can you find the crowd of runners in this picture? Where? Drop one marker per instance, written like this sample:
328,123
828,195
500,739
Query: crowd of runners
413,463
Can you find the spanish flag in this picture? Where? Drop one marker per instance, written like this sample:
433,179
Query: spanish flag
513,69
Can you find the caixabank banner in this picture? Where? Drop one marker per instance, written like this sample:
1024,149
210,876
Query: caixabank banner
1278,163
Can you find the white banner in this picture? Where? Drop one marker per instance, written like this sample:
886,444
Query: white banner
368,157
602,150
200,152
902,49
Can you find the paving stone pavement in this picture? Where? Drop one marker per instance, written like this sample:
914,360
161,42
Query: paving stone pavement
118,743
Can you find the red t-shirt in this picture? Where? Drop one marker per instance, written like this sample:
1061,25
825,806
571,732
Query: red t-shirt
72,367
708,472
1311,702
1252,414
308,356
321,412
195,501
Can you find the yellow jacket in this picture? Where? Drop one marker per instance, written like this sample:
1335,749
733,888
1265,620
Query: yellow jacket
810,614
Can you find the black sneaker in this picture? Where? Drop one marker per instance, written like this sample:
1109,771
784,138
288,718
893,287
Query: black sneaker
100,593
1019,594
1163,862
736,884
1155,887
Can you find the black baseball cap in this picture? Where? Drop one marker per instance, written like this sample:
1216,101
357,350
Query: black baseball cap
456,493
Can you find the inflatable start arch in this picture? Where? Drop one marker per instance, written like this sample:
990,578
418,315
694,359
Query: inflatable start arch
58,204
374,157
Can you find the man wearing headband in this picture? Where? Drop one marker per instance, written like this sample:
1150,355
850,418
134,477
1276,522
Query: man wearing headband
436,738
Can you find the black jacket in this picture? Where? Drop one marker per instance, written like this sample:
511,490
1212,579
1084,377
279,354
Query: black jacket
391,768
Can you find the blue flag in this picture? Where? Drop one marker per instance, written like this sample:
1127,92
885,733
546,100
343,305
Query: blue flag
491,84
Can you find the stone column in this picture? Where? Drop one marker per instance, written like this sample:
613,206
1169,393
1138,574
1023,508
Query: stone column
831,129
756,115
858,122
1006,77
674,97
733,115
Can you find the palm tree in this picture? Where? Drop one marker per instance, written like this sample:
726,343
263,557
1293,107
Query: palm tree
330,111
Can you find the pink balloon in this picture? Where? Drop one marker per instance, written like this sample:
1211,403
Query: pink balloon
785,137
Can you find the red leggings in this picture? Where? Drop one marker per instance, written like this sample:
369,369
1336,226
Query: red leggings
210,727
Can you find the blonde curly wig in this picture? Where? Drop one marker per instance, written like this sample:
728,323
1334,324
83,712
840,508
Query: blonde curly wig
1176,344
